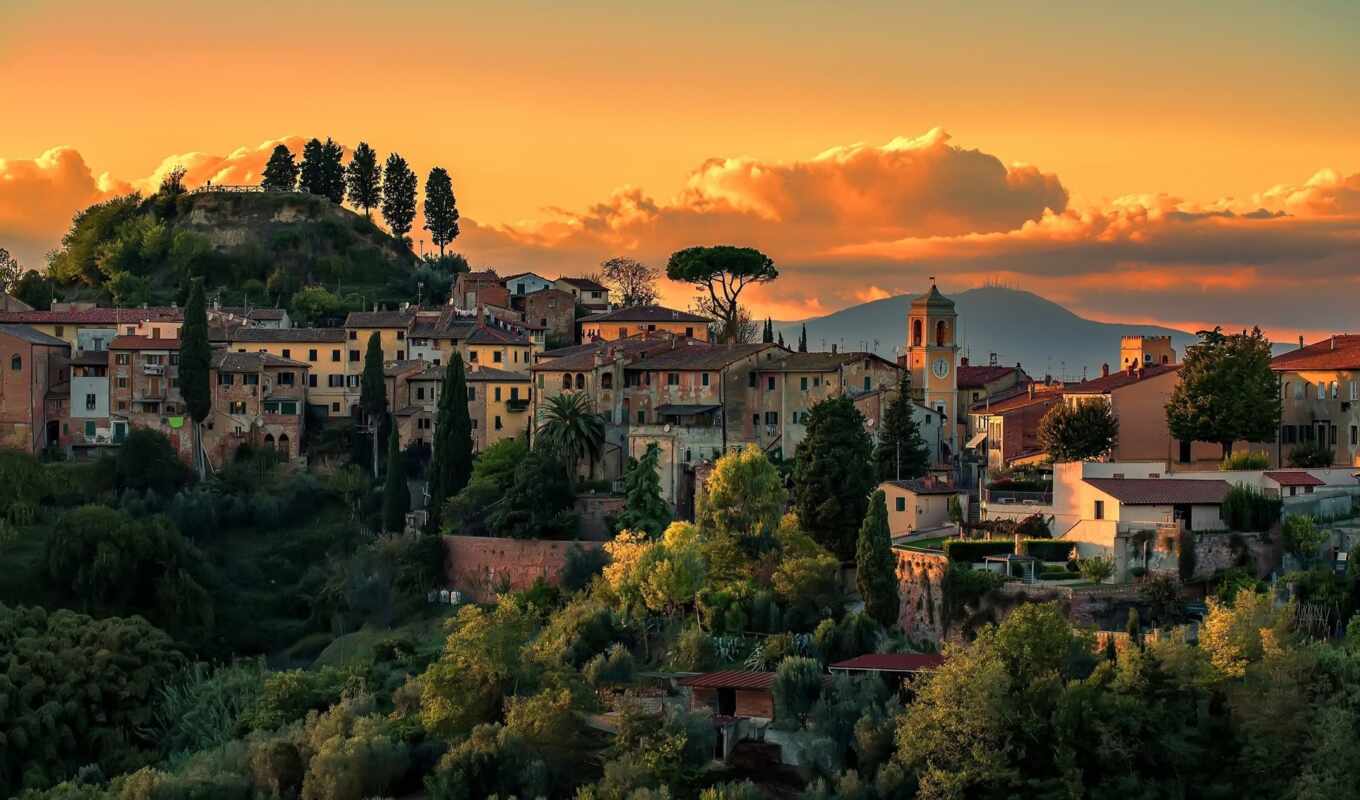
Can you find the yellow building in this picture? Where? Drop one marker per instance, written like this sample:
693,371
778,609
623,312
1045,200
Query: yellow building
498,348
932,356
498,404
87,328
1320,393
624,322
391,327
329,380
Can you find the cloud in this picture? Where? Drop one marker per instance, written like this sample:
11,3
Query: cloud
38,197
244,165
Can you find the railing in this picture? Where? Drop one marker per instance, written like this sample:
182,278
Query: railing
242,188
1011,497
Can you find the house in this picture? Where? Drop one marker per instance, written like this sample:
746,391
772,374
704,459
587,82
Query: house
495,346
623,322
789,384
473,289
498,403
144,386
257,398
33,365
732,693
553,310
272,318
921,504
86,327
586,292
391,327
525,283
1320,390
979,383
332,385
1193,504
435,336
1007,426
91,424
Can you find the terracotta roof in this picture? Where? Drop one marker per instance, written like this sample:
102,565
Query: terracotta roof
977,377
1295,477
892,662
645,314
1335,352
731,679
489,334
1118,380
32,336
405,365
93,316
699,356
379,319
143,343
287,335
819,362
1162,491
480,373
90,358
583,283
924,486
582,357
274,314
1017,399
227,361
524,274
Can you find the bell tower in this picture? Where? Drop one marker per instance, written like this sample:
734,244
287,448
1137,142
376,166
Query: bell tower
932,358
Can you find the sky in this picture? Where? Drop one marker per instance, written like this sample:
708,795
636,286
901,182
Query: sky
1185,164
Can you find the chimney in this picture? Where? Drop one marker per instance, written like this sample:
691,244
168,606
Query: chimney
1105,370
963,362
1300,341
833,348
1334,341
1019,545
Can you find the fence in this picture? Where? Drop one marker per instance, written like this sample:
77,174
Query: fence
240,188
1008,497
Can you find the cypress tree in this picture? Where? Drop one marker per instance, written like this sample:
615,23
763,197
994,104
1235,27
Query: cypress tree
195,364
312,171
802,339
373,392
399,197
333,171
363,178
876,569
1134,628
281,173
644,508
441,209
833,474
781,338
767,335
451,462
396,494
901,453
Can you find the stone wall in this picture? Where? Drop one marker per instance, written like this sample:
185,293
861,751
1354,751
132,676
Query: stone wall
920,582
595,510
1217,550
482,566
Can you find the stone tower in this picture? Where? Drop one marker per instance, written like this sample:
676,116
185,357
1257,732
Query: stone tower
932,358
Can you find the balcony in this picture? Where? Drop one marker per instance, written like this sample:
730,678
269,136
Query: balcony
1006,497
153,369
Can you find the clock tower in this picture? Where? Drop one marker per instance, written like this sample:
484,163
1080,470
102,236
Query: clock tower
932,358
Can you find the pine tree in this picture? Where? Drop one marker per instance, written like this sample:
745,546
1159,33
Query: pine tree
441,209
333,171
451,463
363,178
901,453
802,340
876,568
312,171
399,197
281,173
373,392
195,366
396,494
833,474
767,335
644,508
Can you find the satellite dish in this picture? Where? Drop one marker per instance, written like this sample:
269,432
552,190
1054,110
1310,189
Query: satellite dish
666,428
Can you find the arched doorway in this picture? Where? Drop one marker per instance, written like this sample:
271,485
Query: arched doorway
283,445
269,440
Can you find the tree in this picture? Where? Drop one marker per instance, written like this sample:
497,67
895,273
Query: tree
373,392
796,687
195,367
10,272
743,498
281,173
172,183
313,305
1096,569
901,453
147,462
572,430
312,170
538,503
1082,432
363,178
36,290
767,335
1301,536
644,508
441,209
833,473
632,282
723,272
451,465
876,568
333,171
802,339
781,338
396,494
1226,391
399,197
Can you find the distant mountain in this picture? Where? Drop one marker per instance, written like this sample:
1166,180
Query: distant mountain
1042,336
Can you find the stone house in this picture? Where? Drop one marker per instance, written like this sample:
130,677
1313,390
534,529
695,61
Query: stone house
257,398
921,504
86,327
33,365
332,387
788,385
1320,389
144,387
391,327
473,289
552,309
91,425
524,284
498,404
1007,426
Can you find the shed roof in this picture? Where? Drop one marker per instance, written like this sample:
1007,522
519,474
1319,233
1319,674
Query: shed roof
1295,477
730,679
891,662
1162,491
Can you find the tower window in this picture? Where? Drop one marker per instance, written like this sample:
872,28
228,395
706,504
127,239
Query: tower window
916,333
941,333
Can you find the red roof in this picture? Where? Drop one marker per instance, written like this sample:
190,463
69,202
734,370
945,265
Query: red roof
1018,398
142,343
732,679
1118,380
1334,352
93,316
1295,478
1162,491
892,662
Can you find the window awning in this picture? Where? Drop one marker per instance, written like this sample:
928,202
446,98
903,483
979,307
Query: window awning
978,438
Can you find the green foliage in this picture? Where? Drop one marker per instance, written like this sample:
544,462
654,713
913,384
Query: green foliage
492,474
75,691
796,688
1311,454
451,467
1048,549
35,289
312,305
610,668
1187,559
204,707
24,483
1249,460
743,499
396,494
901,453
693,650
720,274
1081,432
581,566
1096,569
833,474
441,210
147,462
281,172
645,509
195,359
312,170
571,431
363,179
399,196
537,504
855,635
1301,536
1226,392
654,751
968,551
876,567
372,386
809,589
1246,508
480,663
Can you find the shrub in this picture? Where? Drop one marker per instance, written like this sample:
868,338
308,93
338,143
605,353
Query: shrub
796,688
1186,558
693,650
1048,549
146,460
1246,460
1301,536
968,552
202,708
1245,508
1096,569
581,566
1312,454
610,668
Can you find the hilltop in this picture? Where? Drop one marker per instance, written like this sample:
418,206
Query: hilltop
136,249
1019,326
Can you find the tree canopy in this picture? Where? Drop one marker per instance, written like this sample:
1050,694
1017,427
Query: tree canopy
901,453
876,568
1079,431
396,494
631,282
281,173
363,179
833,474
399,197
572,430
721,274
1226,391
451,465
441,209
644,509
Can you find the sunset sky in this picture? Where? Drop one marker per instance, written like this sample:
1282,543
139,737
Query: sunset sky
1188,164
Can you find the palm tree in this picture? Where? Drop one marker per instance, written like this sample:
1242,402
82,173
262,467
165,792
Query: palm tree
572,430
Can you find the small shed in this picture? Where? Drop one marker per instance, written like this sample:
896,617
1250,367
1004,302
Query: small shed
1291,482
732,693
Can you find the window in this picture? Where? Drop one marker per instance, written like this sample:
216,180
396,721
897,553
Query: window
751,380
122,383
868,383
496,356
401,335
122,405
1288,434
771,417
1321,391
1184,451
941,333
769,383
1355,435
704,379
1335,390
335,381
498,422
420,392
354,356
285,379
498,393
353,336
335,355
642,417
237,407
401,355
672,379
755,420
225,379
607,380
816,382
287,353
1298,390
16,363
1100,509
1354,391
250,379
472,393
901,504
580,381
60,331
174,359
311,381
474,425
335,408
514,392
90,429
311,354
472,357
689,332
1331,436
91,401
916,333
802,383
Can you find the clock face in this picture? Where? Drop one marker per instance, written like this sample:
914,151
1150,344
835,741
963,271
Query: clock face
941,367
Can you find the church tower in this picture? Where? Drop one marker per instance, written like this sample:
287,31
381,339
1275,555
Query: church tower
932,358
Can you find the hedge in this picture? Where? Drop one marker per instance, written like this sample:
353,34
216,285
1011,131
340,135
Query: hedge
970,551
1049,549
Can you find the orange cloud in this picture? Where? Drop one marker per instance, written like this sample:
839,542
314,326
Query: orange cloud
38,197
244,165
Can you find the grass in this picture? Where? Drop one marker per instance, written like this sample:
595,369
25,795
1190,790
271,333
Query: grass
936,543
425,633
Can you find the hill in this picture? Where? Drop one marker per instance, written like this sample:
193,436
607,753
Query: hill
133,250
1017,326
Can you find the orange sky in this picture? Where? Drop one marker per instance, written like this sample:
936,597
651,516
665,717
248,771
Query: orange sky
1143,127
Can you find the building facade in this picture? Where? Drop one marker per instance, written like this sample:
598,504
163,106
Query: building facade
33,365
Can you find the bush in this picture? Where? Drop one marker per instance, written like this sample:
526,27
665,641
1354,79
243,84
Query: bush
581,566
1096,569
693,650
203,707
1186,558
1301,536
1245,461
796,688
147,460
1048,549
968,552
610,668
1312,454
1245,508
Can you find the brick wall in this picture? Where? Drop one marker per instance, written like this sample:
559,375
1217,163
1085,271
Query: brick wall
480,566
920,586
594,511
